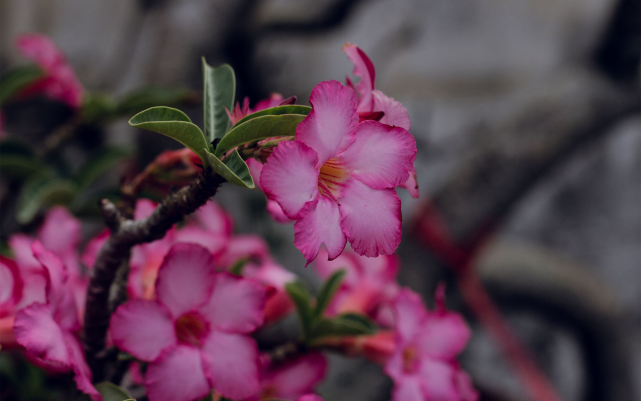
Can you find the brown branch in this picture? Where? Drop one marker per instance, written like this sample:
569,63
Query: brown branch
116,252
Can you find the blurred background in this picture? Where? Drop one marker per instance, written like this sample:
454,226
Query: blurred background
526,115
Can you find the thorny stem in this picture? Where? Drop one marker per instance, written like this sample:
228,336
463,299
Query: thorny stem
127,233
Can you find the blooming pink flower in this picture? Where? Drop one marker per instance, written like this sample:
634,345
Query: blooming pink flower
194,335
337,178
423,366
372,100
48,330
60,81
310,397
293,378
369,286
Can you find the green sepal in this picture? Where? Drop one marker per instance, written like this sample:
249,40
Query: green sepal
174,124
301,298
111,392
328,290
233,169
15,80
276,111
43,189
259,128
218,94
348,324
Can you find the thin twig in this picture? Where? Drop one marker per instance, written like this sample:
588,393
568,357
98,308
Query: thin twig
117,249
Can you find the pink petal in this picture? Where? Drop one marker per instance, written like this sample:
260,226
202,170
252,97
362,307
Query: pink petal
271,273
213,242
328,127
236,304
40,49
348,260
320,224
409,389
395,113
80,367
214,219
37,331
144,208
444,335
411,184
142,328
274,210
274,100
409,313
466,390
371,219
60,232
56,271
296,377
231,363
10,286
243,247
310,397
363,68
380,156
23,255
93,247
439,380
177,376
185,279
290,178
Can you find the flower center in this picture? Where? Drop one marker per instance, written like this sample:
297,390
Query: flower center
268,392
410,360
332,178
191,329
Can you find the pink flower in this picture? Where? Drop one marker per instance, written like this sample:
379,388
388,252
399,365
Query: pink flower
337,178
372,100
273,208
369,287
48,330
59,233
423,366
195,334
60,81
238,114
310,397
293,378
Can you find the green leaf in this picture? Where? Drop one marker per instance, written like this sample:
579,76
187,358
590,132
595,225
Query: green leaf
42,189
174,124
20,166
98,165
15,80
141,99
233,169
111,392
97,108
301,298
218,94
328,290
259,128
276,111
349,324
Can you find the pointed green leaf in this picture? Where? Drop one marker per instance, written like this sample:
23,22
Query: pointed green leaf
276,111
301,298
174,124
349,324
219,91
20,166
15,80
42,189
111,392
259,128
328,290
98,165
233,169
